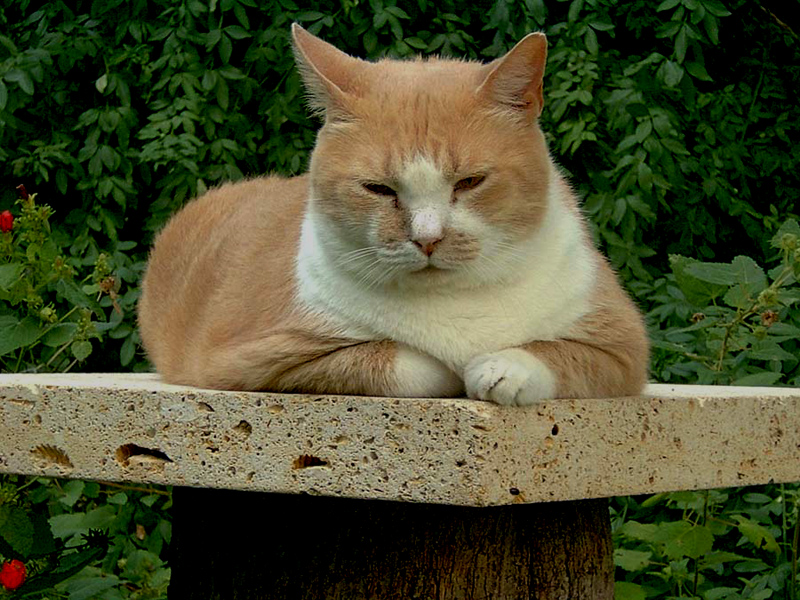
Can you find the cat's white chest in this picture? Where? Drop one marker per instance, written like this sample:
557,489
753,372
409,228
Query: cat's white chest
549,292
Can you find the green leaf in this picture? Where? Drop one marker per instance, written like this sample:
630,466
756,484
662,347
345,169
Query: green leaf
631,560
789,228
69,290
718,273
696,290
102,83
757,534
667,5
624,590
397,12
759,379
14,335
59,334
698,71
81,349
9,274
638,531
16,528
67,525
770,350
670,73
22,79
73,490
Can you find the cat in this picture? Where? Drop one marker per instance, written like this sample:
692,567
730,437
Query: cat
432,250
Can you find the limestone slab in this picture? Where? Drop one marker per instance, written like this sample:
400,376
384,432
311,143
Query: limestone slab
134,428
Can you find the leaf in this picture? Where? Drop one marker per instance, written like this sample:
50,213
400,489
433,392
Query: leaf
70,291
631,560
749,281
18,335
70,565
89,587
757,534
696,290
624,590
638,531
670,73
59,334
9,274
65,526
698,71
770,350
718,273
16,528
102,83
22,79
667,5
81,349
73,490
789,228
759,379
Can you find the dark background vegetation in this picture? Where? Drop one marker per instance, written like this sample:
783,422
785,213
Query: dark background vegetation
677,121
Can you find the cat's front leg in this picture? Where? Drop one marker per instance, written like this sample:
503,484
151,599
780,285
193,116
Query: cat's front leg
306,362
542,370
512,377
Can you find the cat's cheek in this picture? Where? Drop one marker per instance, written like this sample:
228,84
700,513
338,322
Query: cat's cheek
418,375
512,377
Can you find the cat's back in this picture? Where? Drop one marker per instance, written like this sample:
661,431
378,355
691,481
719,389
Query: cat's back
206,257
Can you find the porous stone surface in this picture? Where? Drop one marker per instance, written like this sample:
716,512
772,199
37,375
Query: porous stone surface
113,427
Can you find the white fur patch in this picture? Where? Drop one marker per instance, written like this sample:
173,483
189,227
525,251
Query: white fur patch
420,375
511,377
510,295
423,186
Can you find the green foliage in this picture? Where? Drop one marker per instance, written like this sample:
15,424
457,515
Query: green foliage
730,323
57,295
714,545
59,528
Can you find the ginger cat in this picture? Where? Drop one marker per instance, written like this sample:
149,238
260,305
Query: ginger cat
433,249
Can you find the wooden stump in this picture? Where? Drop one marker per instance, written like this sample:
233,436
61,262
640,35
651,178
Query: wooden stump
243,545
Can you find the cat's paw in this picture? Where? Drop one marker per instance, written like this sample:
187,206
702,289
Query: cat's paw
419,375
512,377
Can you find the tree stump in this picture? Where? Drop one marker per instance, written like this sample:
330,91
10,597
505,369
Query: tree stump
242,545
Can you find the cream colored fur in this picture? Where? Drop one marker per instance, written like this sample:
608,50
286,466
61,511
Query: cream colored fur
433,250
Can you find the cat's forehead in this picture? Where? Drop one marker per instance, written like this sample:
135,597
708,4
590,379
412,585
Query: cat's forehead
429,76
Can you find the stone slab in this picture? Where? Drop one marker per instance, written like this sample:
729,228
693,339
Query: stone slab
113,427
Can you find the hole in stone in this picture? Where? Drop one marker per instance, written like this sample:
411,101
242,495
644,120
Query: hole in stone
304,461
514,492
275,409
244,427
554,431
204,407
127,452
52,455
460,463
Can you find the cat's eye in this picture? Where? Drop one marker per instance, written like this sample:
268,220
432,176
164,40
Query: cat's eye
469,183
380,189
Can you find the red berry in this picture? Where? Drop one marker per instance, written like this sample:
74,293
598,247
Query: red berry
12,575
6,221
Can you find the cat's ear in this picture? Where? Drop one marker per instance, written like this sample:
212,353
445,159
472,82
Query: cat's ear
328,73
515,80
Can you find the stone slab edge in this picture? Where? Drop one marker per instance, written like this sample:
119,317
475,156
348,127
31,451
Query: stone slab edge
133,428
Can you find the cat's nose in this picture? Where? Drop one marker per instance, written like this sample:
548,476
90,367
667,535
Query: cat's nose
426,245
